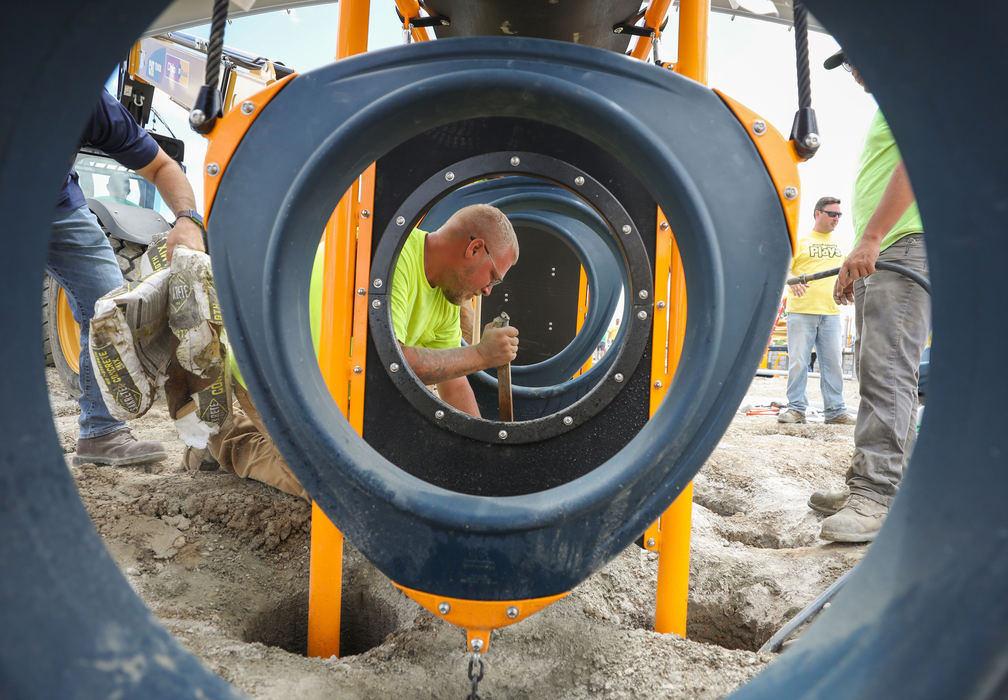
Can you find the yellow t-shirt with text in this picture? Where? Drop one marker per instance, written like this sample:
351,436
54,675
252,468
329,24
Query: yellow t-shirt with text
815,252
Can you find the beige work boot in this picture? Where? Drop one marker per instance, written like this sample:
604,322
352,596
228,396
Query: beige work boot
116,449
791,416
829,501
842,419
858,521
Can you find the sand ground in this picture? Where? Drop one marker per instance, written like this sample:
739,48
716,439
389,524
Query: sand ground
223,563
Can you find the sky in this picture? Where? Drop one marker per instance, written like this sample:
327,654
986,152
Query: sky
751,61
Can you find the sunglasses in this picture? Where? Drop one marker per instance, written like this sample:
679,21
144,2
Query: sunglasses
831,214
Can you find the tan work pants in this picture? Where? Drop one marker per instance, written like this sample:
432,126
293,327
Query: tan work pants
243,446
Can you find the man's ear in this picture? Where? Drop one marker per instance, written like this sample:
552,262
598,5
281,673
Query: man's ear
475,246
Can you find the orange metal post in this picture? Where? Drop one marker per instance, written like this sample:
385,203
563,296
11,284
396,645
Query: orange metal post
674,524
582,313
693,19
326,575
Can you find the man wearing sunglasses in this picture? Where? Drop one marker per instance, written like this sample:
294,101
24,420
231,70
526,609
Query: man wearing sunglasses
814,320
892,319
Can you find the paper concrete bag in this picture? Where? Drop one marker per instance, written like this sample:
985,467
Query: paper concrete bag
130,345
194,314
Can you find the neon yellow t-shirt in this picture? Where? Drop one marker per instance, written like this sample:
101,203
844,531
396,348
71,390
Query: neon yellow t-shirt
815,252
878,160
421,314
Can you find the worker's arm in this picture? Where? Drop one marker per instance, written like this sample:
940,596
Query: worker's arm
497,347
459,394
896,199
165,174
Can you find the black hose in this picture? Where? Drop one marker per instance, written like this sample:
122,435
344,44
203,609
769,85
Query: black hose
892,267
775,642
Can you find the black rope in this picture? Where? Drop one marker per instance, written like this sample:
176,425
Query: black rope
207,106
804,130
801,55
216,46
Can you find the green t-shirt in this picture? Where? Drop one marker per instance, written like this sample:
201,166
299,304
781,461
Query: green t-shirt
878,161
421,315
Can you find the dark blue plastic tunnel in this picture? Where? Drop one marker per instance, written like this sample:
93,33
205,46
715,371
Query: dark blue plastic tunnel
924,615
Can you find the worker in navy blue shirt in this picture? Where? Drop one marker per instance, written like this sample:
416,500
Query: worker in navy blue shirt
82,261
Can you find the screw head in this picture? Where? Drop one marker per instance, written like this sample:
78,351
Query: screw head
212,169
443,607
661,304
365,213
394,367
643,294
400,220
618,377
357,369
476,645
511,612
247,107
376,303
439,414
626,229
658,384
812,140
579,181
664,226
449,176
197,117
361,291
650,542
642,315
377,283
568,420
515,161
502,435
759,126
790,192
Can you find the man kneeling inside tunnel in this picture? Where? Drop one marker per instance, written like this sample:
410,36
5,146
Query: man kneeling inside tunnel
435,274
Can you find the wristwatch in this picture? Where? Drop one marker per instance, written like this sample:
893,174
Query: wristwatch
190,214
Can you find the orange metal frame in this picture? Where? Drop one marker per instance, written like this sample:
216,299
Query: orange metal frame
342,349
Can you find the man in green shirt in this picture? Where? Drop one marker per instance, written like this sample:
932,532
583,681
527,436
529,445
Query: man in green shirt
892,317
436,272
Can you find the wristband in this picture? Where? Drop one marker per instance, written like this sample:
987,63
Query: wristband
190,214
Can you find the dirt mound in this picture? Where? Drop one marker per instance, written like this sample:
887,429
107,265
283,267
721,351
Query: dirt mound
223,563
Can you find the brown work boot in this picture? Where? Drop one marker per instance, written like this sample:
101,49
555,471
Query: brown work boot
829,501
116,449
842,419
791,416
195,459
858,521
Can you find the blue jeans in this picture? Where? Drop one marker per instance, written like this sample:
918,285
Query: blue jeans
803,332
82,261
893,318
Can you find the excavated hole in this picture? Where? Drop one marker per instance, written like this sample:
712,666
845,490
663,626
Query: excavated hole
364,623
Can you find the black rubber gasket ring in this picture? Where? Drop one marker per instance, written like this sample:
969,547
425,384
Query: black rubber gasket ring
627,240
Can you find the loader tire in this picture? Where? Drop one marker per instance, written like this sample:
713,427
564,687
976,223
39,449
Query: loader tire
61,333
